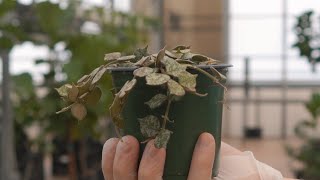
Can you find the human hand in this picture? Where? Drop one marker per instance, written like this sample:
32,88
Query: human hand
120,162
120,159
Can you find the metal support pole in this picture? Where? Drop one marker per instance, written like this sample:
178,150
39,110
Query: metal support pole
7,156
284,71
246,90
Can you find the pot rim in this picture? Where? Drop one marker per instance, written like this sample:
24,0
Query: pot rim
217,66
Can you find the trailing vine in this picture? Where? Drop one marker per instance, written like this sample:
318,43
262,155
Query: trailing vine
168,69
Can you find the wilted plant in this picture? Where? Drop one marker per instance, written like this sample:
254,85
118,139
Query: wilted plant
167,70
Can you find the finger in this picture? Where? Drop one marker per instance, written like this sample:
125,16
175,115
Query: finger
126,159
202,158
152,163
108,154
227,150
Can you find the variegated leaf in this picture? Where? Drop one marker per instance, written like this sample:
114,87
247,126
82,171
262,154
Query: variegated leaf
156,101
149,126
162,138
156,79
143,71
175,88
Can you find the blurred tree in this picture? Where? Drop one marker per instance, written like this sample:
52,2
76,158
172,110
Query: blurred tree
309,153
77,37
307,38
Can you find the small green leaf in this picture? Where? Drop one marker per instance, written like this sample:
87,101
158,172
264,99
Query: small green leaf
64,90
73,93
79,111
93,97
162,138
143,71
188,80
112,56
156,79
149,126
156,101
175,88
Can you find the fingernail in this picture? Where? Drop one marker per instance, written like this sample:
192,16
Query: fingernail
205,140
123,145
151,150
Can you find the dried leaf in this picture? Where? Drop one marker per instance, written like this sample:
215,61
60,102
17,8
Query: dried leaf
126,58
199,58
83,78
188,80
156,79
73,93
112,56
156,101
79,111
149,126
160,57
139,53
64,90
175,88
127,87
181,49
64,109
162,138
115,112
99,75
142,61
143,71
93,97
171,55
173,67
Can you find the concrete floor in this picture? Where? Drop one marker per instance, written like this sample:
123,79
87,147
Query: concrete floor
269,151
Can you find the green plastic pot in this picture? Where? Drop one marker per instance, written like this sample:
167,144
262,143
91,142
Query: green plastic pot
192,115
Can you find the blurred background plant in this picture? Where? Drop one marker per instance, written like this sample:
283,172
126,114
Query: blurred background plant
77,38
309,152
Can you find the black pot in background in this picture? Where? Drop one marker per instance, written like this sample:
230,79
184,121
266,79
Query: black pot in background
253,133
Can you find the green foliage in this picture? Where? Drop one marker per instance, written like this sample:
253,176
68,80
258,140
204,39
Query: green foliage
306,36
162,70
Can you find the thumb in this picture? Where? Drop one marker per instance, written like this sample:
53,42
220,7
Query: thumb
202,158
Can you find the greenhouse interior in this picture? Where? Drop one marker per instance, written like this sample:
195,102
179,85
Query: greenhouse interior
249,69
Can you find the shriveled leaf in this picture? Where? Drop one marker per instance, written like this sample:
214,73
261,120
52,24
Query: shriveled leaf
139,53
199,58
64,109
173,67
93,97
149,126
84,86
142,61
188,80
181,49
73,93
160,56
115,112
95,71
162,138
112,56
172,55
156,101
126,64
156,79
79,111
126,58
175,88
99,75
143,71
127,87
83,78
64,90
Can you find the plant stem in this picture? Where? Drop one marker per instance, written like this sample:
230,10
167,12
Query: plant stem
165,118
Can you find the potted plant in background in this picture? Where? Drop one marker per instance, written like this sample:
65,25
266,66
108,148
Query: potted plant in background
309,152
172,96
